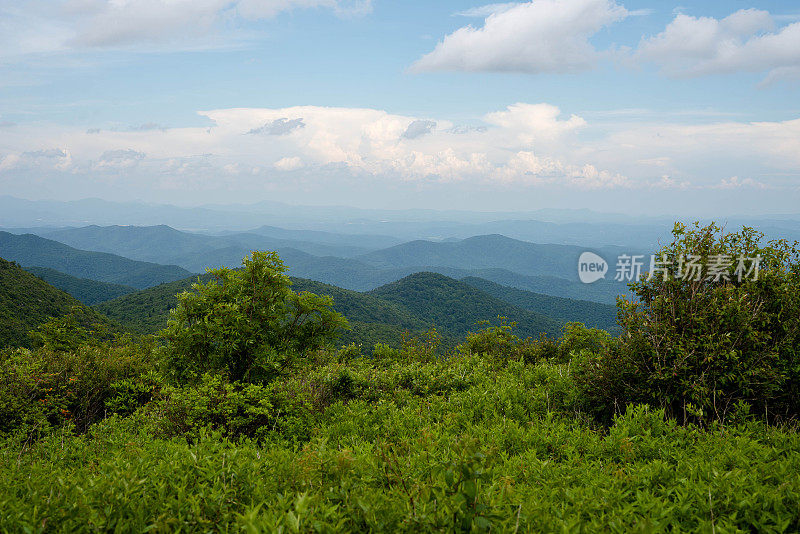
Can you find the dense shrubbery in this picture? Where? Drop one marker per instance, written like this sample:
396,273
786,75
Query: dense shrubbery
499,433
49,387
708,349
246,322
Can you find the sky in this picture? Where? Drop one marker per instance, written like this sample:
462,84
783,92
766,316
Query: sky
637,107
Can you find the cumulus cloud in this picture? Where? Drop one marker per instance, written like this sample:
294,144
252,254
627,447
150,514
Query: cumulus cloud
59,159
418,128
533,37
523,145
280,126
535,122
745,41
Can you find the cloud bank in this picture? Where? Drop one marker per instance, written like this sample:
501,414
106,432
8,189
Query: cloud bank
524,146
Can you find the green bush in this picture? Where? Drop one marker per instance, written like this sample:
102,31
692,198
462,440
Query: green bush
499,342
705,350
247,323
236,410
44,388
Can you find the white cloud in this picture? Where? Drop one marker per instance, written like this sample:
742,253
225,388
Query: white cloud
117,160
745,41
343,141
534,37
39,26
534,122
522,146
289,164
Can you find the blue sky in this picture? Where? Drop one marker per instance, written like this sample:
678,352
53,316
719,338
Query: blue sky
616,106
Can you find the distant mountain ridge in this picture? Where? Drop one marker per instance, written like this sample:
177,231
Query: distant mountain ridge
507,261
33,251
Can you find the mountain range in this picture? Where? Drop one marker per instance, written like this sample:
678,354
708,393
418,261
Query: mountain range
544,268
35,251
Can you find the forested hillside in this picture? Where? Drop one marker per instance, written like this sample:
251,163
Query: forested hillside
33,251
87,291
26,302
456,307
592,314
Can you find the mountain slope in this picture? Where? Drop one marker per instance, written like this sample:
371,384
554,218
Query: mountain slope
87,291
196,252
35,251
456,307
592,314
27,301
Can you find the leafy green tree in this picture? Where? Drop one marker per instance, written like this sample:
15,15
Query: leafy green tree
713,344
247,322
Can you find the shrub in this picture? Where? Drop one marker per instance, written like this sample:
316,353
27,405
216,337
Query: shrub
42,388
704,349
500,342
236,410
247,323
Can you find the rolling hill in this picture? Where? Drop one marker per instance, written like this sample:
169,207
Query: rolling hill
27,301
87,291
456,307
372,320
33,251
592,314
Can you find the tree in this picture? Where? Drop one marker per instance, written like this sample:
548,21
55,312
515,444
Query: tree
709,343
247,323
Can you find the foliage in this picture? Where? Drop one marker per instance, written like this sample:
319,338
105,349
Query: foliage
236,410
247,323
499,341
502,451
707,349
48,387
27,302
